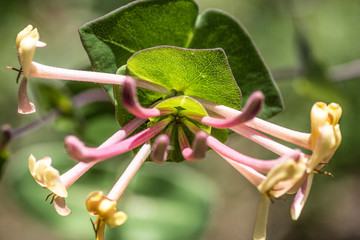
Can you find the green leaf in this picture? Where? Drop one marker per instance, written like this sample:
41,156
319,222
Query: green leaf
216,28
199,73
112,39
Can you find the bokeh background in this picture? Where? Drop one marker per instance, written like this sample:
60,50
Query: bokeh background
312,49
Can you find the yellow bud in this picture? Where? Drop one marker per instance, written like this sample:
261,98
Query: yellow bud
22,34
104,208
325,133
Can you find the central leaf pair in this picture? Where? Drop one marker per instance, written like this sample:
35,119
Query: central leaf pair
199,73
111,40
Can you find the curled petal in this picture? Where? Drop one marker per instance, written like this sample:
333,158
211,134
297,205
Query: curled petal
251,109
132,104
40,44
24,105
199,148
301,197
61,207
161,144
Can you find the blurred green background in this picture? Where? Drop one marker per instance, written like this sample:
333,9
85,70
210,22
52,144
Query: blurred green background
303,43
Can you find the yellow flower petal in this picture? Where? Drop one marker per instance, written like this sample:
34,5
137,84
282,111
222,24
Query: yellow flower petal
31,162
99,205
53,182
117,219
22,34
47,176
282,177
26,51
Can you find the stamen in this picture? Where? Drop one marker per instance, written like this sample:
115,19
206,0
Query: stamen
131,103
80,152
251,109
47,197
323,172
17,70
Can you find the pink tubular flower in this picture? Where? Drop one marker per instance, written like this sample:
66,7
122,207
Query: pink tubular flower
160,151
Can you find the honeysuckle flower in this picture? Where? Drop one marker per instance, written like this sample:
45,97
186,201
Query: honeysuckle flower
291,172
325,133
105,210
279,180
49,177
104,207
325,139
26,42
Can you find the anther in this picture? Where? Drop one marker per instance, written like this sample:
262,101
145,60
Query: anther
16,70
323,172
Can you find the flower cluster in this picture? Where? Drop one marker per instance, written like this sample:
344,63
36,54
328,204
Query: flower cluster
292,172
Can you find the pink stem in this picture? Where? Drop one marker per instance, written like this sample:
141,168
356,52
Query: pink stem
131,103
253,176
73,174
251,109
43,71
262,140
120,186
257,164
90,96
79,151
